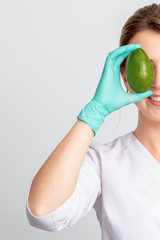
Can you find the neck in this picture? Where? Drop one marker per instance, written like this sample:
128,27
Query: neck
148,133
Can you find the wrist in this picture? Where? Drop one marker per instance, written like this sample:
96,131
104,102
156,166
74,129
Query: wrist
94,114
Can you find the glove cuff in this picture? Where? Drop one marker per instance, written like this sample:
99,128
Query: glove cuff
94,114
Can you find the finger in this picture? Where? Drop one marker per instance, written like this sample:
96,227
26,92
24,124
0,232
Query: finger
122,49
138,97
121,57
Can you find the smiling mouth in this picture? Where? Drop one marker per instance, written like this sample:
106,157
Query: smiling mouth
155,100
155,103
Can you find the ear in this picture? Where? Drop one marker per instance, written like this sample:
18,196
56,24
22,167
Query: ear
124,77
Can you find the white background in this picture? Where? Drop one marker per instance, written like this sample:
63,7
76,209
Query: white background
52,54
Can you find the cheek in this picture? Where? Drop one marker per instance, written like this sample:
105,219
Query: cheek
146,108
143,109
144,105
141,105
148,111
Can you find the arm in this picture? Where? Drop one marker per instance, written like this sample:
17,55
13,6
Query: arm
56,179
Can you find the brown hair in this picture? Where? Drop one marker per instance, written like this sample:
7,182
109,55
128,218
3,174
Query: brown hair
146,18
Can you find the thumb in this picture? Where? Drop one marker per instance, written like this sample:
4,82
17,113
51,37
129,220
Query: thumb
138,97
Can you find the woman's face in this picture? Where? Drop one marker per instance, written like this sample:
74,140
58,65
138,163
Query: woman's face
150,43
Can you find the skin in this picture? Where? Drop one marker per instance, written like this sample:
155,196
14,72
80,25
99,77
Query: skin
148,128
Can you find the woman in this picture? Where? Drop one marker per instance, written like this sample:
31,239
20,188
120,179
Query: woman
119,179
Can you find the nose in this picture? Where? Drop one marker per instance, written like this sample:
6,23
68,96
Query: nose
156,81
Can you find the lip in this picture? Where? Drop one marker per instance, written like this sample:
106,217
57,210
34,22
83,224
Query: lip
157,104
154,95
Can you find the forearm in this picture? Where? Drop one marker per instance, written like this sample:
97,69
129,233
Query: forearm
56,180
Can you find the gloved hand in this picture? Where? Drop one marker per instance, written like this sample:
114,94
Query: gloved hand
110,95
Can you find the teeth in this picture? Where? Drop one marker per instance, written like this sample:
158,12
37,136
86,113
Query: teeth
157,99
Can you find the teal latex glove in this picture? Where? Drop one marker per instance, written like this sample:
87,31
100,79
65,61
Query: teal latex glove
109,95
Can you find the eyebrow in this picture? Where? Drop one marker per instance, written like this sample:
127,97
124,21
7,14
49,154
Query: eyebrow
151,60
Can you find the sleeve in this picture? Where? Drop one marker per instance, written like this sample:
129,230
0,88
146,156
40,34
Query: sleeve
80,203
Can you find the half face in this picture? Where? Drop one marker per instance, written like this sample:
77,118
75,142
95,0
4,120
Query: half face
150,43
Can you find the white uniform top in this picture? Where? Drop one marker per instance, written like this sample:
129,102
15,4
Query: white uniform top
121,181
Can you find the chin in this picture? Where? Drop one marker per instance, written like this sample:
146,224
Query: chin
154,118
148,112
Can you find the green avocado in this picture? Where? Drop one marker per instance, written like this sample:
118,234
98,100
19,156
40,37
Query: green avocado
140,72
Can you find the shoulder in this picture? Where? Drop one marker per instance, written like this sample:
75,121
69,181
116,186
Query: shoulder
119,142
113,152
